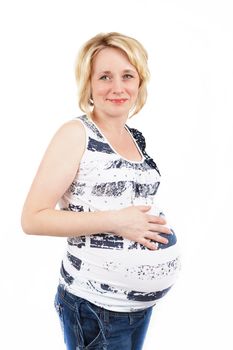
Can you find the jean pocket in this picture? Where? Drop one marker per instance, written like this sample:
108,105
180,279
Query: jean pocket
91,330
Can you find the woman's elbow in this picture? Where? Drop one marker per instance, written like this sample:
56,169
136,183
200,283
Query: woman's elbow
27,223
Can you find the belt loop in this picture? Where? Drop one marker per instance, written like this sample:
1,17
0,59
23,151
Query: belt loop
106,316
61,291
131,319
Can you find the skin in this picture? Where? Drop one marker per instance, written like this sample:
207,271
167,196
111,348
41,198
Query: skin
114,83
114,92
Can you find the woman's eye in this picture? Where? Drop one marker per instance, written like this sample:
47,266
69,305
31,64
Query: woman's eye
104,77
127,76
124,77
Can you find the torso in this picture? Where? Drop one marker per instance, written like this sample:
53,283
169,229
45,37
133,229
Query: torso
108,270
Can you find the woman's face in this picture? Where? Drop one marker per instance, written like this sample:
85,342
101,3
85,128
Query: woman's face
114,83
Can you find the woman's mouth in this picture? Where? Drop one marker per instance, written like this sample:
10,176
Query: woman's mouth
118,100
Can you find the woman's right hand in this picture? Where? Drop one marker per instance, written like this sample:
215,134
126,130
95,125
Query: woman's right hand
136,224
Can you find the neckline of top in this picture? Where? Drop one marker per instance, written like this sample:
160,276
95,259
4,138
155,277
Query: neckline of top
113,149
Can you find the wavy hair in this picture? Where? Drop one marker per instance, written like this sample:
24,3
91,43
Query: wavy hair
136,54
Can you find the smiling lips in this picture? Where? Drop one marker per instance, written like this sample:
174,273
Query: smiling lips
118,100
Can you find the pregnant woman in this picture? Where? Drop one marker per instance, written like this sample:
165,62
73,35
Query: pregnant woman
120,258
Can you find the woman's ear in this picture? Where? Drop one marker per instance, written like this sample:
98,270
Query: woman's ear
90,100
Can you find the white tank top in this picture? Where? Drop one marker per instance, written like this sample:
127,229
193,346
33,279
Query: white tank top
109,270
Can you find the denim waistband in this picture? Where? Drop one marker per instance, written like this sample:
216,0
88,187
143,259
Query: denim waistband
71,300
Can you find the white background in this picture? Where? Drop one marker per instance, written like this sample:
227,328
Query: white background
188,126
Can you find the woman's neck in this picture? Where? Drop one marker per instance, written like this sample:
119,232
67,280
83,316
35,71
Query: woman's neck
110,125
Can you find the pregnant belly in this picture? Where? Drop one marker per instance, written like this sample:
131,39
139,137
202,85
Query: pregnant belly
139,273
144,270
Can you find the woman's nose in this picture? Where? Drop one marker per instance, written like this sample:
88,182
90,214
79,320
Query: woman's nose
117,86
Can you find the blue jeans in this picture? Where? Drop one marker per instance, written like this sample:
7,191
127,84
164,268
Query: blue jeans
86,326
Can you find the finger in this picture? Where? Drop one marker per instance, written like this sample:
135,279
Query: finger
159,228
143,208
148,244
157,219
157,238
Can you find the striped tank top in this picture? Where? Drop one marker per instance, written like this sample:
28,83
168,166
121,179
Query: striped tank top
106,269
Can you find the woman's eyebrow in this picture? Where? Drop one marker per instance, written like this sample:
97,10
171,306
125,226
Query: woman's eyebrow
104,72
124,71
129,71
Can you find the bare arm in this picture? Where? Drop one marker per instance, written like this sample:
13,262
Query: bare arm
55,174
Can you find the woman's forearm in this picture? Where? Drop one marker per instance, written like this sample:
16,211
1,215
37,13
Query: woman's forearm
132,223
61,223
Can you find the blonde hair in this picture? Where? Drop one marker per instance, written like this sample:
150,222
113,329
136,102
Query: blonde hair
136,54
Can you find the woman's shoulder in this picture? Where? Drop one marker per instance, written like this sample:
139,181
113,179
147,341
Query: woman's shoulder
70,135
72,128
